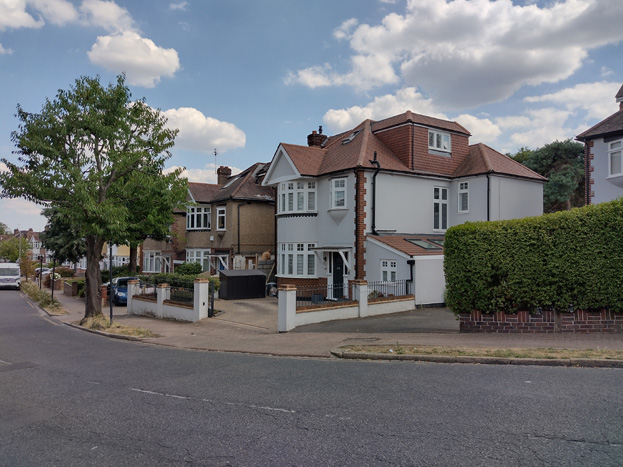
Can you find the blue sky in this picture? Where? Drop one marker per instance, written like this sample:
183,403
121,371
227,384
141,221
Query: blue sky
242,76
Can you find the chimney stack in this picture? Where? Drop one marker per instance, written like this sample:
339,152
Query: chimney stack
222,174
316,139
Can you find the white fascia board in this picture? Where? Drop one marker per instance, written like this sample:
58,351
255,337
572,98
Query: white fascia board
281,157
387,247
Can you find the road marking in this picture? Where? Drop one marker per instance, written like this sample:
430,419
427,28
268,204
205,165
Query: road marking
174,396
8,363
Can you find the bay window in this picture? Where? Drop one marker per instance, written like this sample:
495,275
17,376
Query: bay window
297,197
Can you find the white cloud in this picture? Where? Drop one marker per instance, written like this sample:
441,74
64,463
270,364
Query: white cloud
205,175
595,99
107,15
4,51
203,134
57,12
467,53
13,15
143,61
178,6
539,127
483,130
381,107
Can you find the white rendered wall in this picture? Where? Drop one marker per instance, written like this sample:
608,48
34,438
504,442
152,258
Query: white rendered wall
430,281
512,198
605,189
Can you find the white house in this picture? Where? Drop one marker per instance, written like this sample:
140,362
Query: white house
374,202
603,157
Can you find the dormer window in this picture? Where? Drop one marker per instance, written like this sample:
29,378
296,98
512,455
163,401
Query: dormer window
439,141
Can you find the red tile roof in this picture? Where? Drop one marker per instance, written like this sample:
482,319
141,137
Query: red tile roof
401,243
610,125
356,148
483,159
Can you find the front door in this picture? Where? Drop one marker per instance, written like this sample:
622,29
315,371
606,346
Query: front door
338,276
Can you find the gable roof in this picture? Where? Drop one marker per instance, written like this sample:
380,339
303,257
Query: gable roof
356,147
609,126
243,186
483,159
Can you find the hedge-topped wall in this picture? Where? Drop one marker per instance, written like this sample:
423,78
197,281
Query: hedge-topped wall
552,261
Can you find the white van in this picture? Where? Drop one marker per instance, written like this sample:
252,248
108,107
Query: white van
9,275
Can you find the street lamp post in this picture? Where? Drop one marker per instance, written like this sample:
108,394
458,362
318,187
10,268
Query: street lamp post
110,267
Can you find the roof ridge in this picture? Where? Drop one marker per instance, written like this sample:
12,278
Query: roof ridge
364,144
490,167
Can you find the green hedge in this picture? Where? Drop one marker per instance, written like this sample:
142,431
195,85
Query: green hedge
552,261
177,280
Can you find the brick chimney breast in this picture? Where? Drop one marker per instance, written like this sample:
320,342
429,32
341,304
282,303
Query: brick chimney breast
222,174
316,139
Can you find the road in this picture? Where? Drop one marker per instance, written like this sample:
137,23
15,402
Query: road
72,398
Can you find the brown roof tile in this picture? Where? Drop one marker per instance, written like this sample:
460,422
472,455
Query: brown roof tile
611,125
401,243
425,120
483,159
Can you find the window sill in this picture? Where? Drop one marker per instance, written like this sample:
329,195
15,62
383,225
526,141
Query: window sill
338,209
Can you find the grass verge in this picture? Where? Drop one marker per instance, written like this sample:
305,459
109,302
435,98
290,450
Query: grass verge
103,324
43,298
539,353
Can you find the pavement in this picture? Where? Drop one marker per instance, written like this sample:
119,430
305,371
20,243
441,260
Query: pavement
250,326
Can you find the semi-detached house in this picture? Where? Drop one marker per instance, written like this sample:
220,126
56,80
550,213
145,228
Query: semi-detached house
374,202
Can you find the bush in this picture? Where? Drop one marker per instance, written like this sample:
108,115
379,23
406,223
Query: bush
41,296
178,280
552,261
65,272
117,271
188,269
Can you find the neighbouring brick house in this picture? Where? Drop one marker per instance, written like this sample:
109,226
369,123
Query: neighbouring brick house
228,225
374,202
603,157
31,242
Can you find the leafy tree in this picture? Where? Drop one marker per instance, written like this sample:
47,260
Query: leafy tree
93,153
4,229
9,249
562,162
62,236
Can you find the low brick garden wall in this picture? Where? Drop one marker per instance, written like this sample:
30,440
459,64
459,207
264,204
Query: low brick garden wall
547,322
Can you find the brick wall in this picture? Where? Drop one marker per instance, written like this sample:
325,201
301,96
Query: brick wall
320,282
360,225
548,322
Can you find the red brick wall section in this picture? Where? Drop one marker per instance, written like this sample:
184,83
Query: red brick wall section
320,282
399,141
548,322
438,164
360,224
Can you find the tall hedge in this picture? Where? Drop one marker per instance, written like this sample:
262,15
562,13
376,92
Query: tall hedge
552,261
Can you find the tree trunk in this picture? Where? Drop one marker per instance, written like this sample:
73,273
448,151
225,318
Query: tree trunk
133,259
93,286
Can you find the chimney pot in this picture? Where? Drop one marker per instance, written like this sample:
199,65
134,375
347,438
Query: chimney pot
316,140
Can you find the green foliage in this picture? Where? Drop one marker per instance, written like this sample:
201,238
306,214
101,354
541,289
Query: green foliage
189,269
4,229
570,257
97,158
117,271
62,236
64,272
178,280
10,249
562,162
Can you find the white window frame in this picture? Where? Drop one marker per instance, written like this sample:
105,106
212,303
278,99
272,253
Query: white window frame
297,260
297,196
152,261
615,147
198,255
338,196
197,216
389,270
441,205
463,194
439,141
221,213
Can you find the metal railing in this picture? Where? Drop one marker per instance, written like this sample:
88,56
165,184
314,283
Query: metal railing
386,289
147,290
324,295
182,295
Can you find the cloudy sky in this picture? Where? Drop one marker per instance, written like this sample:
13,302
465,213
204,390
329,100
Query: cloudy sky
242,76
